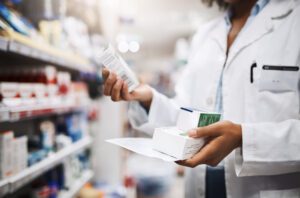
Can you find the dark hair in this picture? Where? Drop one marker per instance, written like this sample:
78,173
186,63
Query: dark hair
220,3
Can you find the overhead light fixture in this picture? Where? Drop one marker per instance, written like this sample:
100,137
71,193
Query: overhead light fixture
123,47
134,46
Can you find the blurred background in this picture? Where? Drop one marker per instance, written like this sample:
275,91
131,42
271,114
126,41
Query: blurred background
51,106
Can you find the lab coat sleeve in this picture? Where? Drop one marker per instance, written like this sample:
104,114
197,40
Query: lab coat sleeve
163,110
269,149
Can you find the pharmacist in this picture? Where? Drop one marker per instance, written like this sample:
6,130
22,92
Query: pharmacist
246,65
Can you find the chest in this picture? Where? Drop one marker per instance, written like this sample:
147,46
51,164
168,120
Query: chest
243,99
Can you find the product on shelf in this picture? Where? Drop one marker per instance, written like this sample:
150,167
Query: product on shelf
64,82
20,154
9,94
79,93
62,141
13,154
43,86
36,156
47,133
75,126
18,23
6,154
13,20
89,191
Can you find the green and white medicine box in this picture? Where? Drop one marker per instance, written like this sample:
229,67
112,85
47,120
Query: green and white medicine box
174,141
189,119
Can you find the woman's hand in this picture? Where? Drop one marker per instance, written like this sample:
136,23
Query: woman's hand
222,138
117,89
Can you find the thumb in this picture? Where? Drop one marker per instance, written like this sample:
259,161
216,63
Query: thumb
207,131
105,73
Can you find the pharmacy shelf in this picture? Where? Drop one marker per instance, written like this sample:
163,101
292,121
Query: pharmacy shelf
3,44
13,114
4,187
19,180
80,182
40,55
18,47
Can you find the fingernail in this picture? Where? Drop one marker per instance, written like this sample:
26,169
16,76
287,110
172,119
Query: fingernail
192,133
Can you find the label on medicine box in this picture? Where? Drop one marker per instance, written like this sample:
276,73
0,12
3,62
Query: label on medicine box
116,63
172,141
190,119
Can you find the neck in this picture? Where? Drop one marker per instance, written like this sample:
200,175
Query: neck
243,8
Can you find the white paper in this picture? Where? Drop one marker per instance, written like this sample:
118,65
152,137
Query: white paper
142,146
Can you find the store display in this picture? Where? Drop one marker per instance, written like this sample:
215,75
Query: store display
40,86
46,80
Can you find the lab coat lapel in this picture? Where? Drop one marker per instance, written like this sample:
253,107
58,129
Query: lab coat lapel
261,26
219,35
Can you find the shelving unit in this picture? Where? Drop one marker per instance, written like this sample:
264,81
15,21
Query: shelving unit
3,44
86,177
4,187
14,114
15,182
19,46
26,59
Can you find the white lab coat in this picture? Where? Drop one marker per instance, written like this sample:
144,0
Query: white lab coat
268,164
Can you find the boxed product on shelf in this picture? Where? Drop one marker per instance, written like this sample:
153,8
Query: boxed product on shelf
39,91
75,125
13,20
63,82
20,154
47,134
6,154
79,92
26,93
30,74
9,94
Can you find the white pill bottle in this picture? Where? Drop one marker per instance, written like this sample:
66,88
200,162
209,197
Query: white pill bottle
114,62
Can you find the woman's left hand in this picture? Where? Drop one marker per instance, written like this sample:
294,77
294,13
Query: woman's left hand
221,139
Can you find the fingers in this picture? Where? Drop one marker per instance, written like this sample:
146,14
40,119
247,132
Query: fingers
207,131
207,155
109,83
116,91
125,92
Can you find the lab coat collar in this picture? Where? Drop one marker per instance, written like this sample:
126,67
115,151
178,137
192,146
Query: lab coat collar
261,25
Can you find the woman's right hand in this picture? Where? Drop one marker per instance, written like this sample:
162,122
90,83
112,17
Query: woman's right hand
117,89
